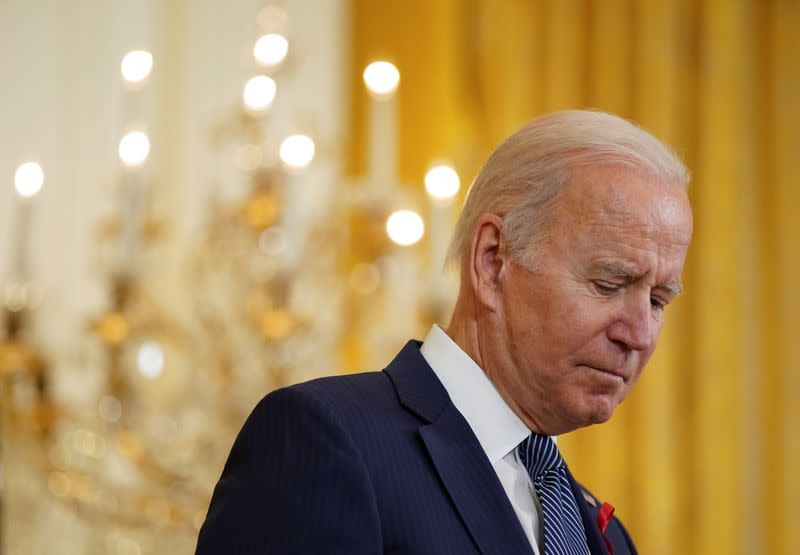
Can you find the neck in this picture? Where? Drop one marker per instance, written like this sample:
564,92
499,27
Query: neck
463,330
471,330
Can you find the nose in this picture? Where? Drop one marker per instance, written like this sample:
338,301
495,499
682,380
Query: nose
634,328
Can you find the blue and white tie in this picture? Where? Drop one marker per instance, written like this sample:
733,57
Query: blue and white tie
563,528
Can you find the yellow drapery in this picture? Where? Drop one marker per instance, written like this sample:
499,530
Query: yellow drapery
704,457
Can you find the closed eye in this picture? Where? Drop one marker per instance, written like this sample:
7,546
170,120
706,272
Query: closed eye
606,288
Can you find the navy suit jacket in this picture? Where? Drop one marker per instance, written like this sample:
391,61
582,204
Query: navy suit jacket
380,462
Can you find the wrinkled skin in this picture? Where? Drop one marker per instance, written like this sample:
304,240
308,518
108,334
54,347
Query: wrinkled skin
565,344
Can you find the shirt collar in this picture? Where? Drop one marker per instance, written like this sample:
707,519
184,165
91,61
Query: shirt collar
493,422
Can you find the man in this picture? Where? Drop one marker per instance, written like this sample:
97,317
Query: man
570,245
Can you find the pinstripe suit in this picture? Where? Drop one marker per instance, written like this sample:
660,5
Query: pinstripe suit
380,462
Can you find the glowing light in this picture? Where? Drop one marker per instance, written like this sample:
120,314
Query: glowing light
28,179
150,360
297,151
134,149
136,66
381,78
259,92
442,182
405,227
271,49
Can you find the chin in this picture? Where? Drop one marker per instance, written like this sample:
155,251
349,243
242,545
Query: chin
600,410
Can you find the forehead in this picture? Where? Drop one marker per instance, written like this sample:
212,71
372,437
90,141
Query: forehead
613,195
614,211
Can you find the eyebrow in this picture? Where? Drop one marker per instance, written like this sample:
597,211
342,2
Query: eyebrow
627,275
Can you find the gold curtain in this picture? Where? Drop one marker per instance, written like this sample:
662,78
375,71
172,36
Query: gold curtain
704,458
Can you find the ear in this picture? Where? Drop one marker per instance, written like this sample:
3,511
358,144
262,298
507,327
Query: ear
488,259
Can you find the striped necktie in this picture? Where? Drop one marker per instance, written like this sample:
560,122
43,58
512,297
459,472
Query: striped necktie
563,528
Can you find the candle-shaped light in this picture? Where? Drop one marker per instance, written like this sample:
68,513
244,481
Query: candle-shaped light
296,153
28,182
382,79
401,267
134,149
442,184
135,67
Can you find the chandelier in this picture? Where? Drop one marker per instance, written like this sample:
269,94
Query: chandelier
288,281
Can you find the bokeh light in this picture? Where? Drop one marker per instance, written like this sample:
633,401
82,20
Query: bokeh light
381,78
134,149
259,92
297,151
405,227
136,66
28,179
271,49
150,359
442,182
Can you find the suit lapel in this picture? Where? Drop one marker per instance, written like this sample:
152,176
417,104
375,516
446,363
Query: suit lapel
456,454
473,485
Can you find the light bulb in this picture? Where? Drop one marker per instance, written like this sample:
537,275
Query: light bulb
381,78
297,151
259,92
136,66
28,179
442,182
405,227
134,148
150,359
271,49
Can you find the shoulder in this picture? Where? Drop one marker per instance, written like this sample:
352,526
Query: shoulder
340,395
294,467
342,405
348,387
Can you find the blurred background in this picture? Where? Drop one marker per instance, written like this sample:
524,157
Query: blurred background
202,201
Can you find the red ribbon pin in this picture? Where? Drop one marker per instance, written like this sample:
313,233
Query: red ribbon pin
603,517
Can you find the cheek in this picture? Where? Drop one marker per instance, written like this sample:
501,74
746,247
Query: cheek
583,332
563,334
580,322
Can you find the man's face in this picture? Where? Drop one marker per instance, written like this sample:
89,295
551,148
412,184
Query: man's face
575,334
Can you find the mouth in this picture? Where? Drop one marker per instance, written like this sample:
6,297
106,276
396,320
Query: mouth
609,372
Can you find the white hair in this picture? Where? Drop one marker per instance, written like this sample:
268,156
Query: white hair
524,176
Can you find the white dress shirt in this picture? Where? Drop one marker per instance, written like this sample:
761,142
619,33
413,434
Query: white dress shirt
497,428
